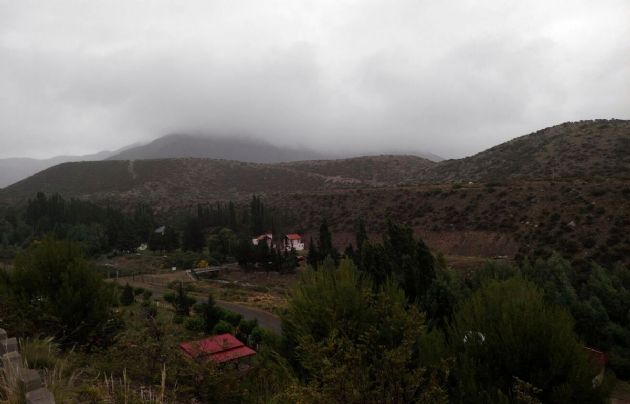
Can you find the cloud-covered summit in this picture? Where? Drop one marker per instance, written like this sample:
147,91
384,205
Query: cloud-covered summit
448,77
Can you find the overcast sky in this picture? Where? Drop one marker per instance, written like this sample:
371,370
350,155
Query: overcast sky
448,77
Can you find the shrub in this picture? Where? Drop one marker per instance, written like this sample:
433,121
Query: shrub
506,330
194,324
233,318
127,296
222,327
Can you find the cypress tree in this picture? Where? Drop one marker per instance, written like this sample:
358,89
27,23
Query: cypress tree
126,298
312,258
325,241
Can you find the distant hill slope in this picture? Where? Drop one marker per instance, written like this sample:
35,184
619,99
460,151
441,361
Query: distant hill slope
572,149
376,170
16,168
238,149
230,148
189,180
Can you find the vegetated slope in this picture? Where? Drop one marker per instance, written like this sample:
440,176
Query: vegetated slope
226,148
184,181
570,150
376,170
17,168
167,182
580,219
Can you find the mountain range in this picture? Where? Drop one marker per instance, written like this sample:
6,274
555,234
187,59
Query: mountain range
243,149
584,149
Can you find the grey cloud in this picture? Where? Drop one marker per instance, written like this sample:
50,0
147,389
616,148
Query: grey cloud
450,79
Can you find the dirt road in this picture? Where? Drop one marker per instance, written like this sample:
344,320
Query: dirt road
265,319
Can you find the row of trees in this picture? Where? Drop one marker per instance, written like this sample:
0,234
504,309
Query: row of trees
352,341
351,336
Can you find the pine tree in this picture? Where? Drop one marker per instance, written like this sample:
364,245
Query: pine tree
211,314
325,241
312,258
193,236
362,236
126,297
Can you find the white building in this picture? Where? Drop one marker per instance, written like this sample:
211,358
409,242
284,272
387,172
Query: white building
268,238
293,241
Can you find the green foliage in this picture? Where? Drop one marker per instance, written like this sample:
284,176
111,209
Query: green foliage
506,330
54,291
210,313
222,327
257,215
353,345
194,324
408,262
193,239
180,301
312,259
127,297
233,318
222,244
325,246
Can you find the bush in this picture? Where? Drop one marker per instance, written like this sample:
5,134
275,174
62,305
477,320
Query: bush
233,318
222,327
194,324
506,330
126,297
53,290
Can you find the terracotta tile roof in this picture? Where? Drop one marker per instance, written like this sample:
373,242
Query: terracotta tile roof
218,348
294,236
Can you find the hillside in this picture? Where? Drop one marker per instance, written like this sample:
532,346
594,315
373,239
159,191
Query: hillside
599,148
184,181
238,149
582,220
16,168
375,170
587,149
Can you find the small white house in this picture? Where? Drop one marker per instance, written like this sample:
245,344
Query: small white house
293,241
268,238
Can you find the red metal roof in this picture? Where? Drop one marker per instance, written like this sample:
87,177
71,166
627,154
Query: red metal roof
294,236
218,348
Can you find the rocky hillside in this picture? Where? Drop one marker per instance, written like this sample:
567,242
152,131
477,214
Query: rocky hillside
584,149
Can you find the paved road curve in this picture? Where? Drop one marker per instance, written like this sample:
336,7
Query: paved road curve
265,319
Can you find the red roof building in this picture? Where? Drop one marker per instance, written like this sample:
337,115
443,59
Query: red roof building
218,348
293,241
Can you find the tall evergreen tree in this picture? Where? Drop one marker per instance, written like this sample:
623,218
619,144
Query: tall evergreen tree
312,258
325,241
362,236
193,239
257,215
126,297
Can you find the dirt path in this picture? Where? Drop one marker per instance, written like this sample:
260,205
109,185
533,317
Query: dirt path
265,319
